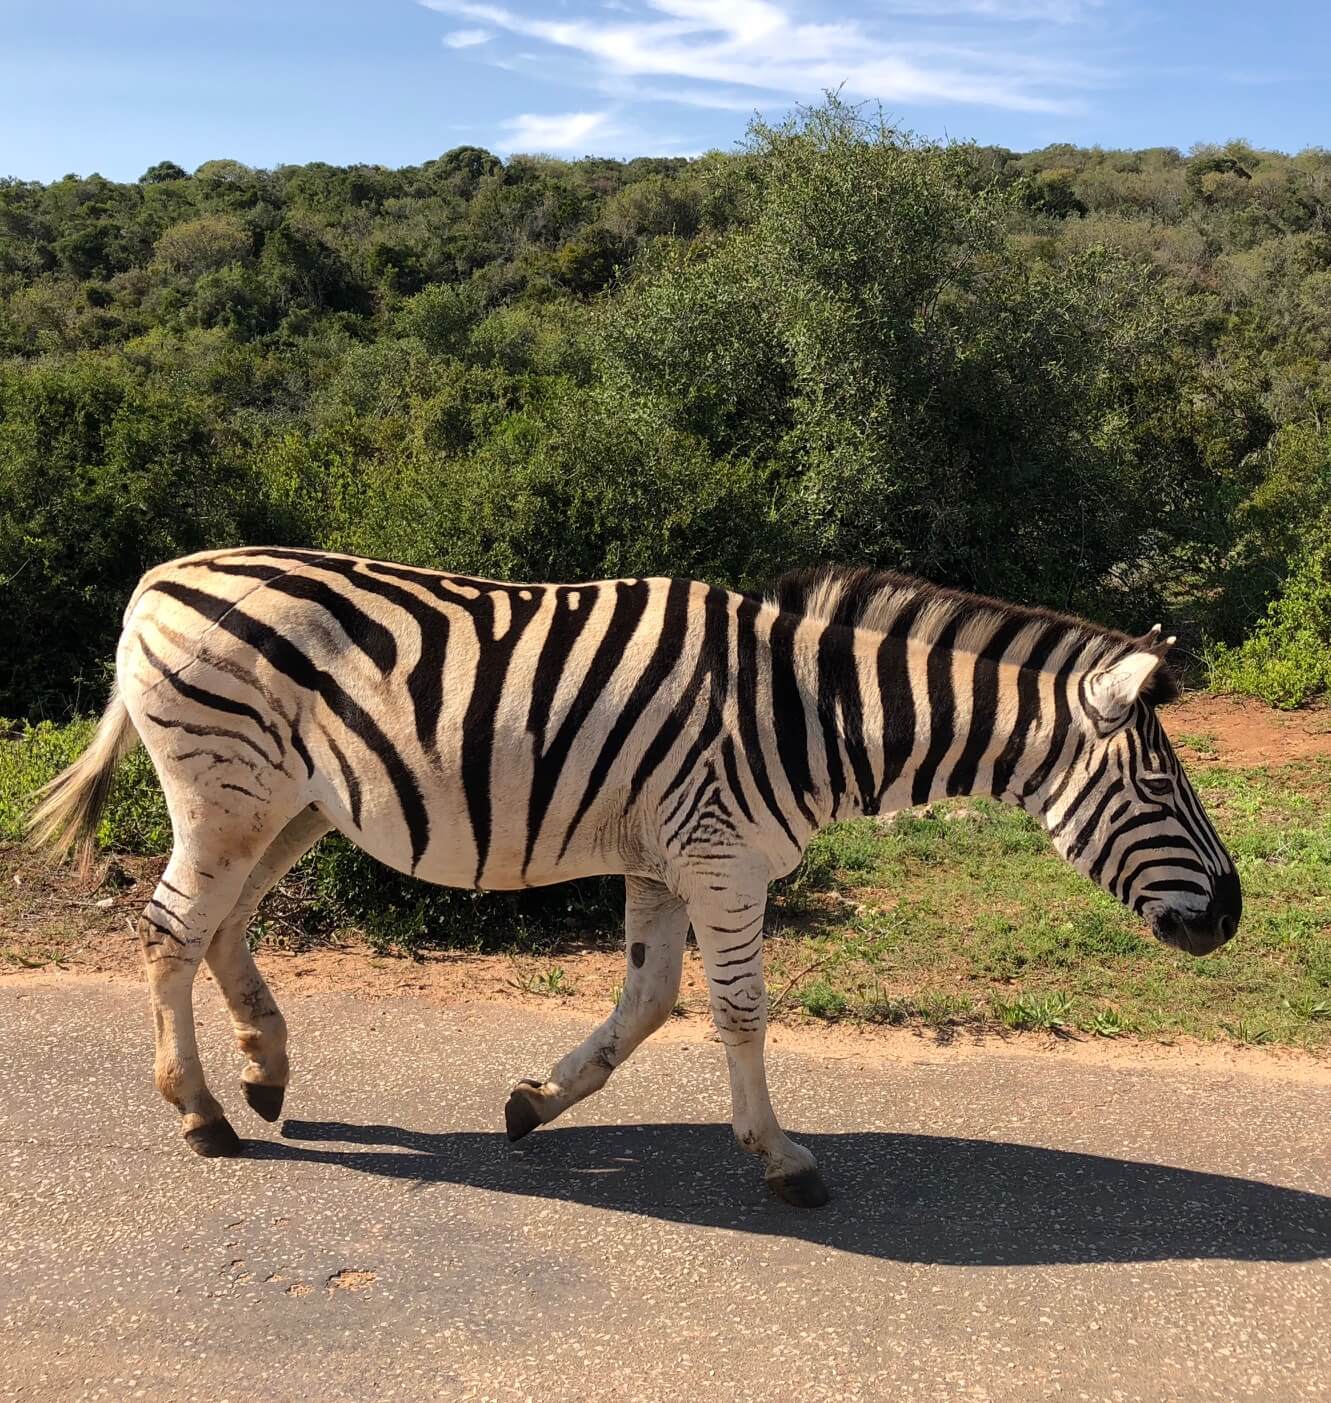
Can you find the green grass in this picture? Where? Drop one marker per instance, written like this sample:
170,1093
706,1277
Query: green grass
552,983
1202,742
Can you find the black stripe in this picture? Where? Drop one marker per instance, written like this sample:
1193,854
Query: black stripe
669,646
1058,735
157,926
348,778
709,671
478,722
191,728
841,709
369,635
630,605
708,782
715,652
1139,820
303,750
1058,732
425,682
1083,793
1088,828
984,706
252,572
1168,859
1028,706
215,700
732,776
895,696
746,706
1156,888
286,658
1069,771
942,709
792,733
566,627
240,789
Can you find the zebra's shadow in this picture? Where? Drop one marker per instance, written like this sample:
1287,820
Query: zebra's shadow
910,1198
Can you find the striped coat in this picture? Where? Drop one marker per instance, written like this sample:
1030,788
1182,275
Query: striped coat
484,734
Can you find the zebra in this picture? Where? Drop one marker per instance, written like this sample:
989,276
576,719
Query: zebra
484,734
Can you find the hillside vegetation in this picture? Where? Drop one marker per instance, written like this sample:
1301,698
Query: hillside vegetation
1094,379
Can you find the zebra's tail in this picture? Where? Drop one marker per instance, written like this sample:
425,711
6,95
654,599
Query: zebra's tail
72,803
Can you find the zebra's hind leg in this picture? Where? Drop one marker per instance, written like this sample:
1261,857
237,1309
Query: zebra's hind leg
260,1029
729,931
656,925
174,931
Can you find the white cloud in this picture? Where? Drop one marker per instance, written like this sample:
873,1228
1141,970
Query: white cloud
760,47
467,38
565,131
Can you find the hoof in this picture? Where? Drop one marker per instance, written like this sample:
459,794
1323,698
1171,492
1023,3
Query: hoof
265,1101
803,1190
214,1140
520,1116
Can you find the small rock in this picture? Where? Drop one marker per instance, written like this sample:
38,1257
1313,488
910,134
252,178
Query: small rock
106,903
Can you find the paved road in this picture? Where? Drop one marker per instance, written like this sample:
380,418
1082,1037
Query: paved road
1002,1228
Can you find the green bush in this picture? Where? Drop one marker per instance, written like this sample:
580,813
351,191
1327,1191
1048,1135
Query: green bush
1287,660
135,820
101,476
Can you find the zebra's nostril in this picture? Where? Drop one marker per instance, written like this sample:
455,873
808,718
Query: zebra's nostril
1228,925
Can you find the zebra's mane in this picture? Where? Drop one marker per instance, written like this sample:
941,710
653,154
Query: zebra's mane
859,597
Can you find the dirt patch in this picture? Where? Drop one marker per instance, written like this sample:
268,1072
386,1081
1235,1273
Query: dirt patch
1244,733
349,1280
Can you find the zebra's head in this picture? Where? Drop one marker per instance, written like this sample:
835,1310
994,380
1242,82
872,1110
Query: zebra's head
1123,812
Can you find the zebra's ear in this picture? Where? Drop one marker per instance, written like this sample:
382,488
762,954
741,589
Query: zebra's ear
1111,691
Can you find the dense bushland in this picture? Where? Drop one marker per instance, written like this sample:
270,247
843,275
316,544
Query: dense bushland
1094,379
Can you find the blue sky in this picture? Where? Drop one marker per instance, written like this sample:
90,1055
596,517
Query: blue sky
115,85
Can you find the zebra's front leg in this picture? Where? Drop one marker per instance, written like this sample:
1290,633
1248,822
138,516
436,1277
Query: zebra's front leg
656,924
729,931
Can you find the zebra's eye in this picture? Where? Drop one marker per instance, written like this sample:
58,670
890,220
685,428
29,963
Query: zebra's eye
1160,785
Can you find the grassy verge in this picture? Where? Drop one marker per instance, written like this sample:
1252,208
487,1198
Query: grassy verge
963,914
960,914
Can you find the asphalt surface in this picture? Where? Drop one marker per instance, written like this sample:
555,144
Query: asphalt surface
1001,1228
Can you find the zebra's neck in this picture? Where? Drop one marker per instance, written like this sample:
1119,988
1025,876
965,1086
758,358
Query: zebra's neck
977,702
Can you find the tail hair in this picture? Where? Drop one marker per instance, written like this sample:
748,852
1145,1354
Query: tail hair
72,803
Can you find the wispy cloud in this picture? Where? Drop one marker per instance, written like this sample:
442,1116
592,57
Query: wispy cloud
467,38
728,53
564,131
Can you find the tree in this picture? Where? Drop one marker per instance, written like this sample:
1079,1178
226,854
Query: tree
161,172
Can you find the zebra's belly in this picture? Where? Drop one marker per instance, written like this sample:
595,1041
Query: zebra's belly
461,852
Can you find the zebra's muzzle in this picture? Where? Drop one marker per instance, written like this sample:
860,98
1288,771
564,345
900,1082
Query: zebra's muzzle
1210,930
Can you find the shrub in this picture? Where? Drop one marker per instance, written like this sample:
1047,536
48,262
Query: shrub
101,476
1287,660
